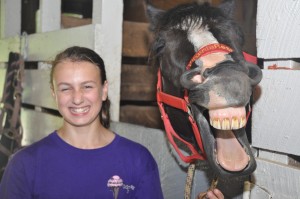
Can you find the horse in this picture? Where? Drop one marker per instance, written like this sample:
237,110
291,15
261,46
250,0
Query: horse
204,84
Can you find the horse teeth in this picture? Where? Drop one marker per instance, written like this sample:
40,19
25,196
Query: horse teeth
235,123
242,122
226,124
216,123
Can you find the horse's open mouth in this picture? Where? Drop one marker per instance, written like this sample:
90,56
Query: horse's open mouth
226,146
229,152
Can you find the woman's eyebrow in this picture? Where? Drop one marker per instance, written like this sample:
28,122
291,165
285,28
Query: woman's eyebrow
63,84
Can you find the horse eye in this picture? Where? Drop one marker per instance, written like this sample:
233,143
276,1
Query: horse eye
159,45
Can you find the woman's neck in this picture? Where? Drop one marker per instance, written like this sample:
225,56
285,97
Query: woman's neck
86,137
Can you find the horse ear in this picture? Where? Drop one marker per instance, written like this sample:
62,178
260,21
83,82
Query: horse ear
228,7
254,72
153,14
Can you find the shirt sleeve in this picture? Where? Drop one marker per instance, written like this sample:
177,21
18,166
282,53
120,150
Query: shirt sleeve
149,186
14,183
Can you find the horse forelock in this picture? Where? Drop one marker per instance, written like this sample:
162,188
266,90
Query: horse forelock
192,18
188,16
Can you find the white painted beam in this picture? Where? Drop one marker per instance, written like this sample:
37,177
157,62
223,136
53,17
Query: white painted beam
49,15
278,29
276,112
44,46
10,18
276,180
282,63
273,156
108,43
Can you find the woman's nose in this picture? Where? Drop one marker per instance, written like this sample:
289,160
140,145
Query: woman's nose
77,97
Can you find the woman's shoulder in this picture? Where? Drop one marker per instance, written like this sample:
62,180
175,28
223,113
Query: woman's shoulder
126,142
30,151
131,146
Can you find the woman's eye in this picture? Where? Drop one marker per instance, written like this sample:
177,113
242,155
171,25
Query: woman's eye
88,86
64,89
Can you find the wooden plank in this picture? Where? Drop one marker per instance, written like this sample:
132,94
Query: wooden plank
37,125
49,15
138,82
285,63
276,112
167,4
148,116
2,78
134,11
44,46
11,44
108,43
276,180
136,39
70,22
278,29
36,89
10,16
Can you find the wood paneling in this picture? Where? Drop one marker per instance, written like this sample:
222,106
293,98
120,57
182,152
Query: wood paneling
148,116
138,83
136,39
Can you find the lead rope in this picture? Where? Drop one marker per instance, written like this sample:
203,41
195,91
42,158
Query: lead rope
189,181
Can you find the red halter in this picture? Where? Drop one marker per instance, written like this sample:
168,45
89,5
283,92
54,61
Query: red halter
183,104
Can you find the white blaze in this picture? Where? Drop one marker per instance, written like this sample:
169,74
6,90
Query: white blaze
200,37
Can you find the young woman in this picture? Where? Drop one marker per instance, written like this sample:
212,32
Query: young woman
83,159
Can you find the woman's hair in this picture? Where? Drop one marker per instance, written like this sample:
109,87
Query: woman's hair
78,54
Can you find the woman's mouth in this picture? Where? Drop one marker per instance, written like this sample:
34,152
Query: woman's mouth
80,110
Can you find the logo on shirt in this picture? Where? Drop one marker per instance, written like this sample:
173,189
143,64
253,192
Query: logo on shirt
115,183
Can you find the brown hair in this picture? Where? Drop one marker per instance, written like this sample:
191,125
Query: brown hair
77,54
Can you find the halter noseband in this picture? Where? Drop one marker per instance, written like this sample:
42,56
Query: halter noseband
183,104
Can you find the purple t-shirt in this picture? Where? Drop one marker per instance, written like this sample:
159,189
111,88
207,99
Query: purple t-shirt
53,169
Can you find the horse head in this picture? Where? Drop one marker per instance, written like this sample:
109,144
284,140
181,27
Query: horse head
198,48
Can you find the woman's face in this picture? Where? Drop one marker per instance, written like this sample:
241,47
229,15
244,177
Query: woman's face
78,92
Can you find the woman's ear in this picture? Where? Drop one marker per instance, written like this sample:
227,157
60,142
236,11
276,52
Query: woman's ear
105,91
53,93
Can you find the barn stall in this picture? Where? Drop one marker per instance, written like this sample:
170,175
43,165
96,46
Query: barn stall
123,41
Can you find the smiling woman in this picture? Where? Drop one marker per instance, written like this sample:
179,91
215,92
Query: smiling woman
78,92
83,156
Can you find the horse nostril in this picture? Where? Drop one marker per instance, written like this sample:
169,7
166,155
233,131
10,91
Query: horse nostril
207,72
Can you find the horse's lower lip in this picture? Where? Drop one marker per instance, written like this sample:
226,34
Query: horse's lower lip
228,118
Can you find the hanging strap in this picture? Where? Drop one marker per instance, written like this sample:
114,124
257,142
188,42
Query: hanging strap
10,122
